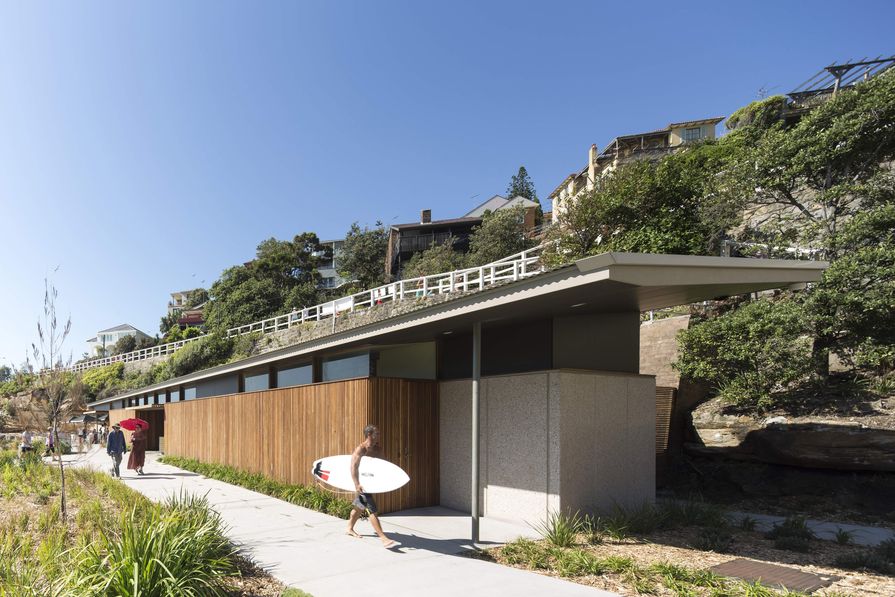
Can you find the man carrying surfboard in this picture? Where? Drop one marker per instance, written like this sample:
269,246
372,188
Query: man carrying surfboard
364,502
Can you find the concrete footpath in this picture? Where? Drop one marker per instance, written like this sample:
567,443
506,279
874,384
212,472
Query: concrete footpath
310,551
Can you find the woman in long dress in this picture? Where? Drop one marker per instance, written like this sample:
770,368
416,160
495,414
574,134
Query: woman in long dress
138,450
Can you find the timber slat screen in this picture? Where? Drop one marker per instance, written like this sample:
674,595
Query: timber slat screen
155,417
280,432
664,407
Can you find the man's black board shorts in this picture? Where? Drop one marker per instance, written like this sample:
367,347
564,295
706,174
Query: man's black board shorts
365,501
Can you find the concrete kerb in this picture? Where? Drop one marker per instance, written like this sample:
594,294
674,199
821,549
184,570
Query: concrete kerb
311,551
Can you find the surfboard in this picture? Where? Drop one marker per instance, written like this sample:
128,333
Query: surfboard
375,474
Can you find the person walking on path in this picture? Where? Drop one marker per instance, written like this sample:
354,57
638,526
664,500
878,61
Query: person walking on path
364,502
115,447
26,446
138,450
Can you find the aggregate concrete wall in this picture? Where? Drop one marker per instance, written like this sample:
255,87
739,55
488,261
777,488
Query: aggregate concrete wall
608,440
550,441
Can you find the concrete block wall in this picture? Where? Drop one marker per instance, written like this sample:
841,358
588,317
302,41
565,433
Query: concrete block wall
659,349
550,441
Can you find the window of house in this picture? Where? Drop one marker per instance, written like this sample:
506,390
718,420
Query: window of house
257,382
295,376
694,134
347,367
189,393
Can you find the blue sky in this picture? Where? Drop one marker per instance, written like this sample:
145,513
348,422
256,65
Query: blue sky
146,147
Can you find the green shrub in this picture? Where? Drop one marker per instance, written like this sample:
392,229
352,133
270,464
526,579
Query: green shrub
577,562
843,537
749,355
244,345
886,550
101,381
864,559
692,513
293,592
792,534
747,523
526,553
211,350
717,539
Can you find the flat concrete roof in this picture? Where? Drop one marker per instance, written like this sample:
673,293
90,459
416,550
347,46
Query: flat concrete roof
607,283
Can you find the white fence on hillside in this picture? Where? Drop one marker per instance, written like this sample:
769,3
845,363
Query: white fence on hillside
509,269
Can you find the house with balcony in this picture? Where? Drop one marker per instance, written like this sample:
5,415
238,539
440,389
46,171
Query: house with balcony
189,315
652,145
178,301
329,264
405,240
104,340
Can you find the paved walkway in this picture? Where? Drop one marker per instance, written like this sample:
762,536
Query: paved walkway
860,535
311,551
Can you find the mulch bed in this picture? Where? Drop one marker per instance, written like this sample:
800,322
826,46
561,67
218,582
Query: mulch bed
676,547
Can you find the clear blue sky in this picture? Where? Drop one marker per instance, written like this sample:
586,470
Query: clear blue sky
146,147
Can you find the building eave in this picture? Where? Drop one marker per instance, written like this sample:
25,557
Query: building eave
611,282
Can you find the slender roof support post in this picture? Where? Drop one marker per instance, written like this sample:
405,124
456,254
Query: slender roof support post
476,378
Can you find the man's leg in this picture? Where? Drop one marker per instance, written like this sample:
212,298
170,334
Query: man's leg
352,520
374,520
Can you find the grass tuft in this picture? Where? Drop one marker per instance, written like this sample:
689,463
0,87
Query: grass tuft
792,534
560,529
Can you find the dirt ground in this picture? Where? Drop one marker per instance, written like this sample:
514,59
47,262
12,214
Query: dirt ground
676,547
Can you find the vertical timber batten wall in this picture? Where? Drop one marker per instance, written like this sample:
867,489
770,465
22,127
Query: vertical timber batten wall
280,432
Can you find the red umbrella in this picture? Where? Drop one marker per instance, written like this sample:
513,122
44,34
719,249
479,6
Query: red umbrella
132,424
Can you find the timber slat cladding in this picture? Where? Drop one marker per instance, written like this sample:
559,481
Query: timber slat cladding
664,407
281,432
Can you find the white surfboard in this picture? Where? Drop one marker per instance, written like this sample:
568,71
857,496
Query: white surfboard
376,475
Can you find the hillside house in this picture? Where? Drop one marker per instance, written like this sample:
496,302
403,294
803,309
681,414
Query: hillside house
651,145
104,340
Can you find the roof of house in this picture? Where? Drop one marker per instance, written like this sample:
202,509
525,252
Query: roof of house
517,201
714,121
124,327
492,204
607,283
498,202
434,223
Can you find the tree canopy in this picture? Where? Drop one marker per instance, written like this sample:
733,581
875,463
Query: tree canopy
824,183
282,276
521,185
669,206
363,255
501,233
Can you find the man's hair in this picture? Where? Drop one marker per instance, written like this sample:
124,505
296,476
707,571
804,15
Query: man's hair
368,430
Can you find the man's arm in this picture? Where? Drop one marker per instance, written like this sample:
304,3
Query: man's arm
355,466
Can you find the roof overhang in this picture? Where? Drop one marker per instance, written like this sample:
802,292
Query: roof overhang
607,283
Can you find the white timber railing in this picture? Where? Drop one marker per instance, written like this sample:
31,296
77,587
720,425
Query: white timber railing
509,269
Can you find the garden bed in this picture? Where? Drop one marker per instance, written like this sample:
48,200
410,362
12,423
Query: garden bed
110,531
668,550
